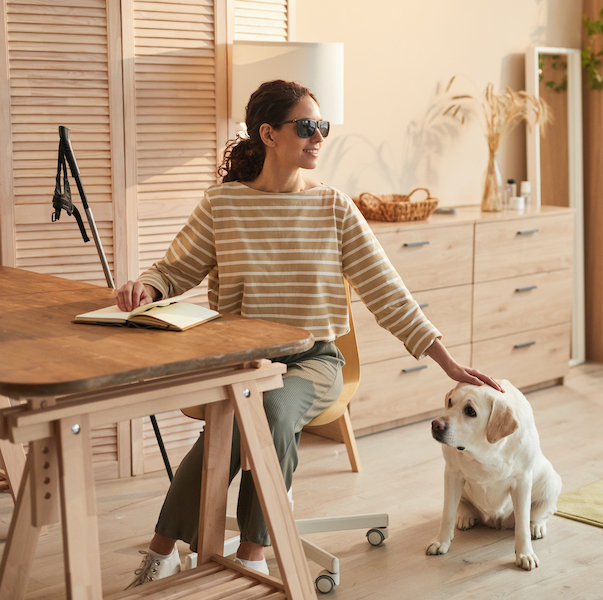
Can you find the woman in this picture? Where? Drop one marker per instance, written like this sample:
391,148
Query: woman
277,245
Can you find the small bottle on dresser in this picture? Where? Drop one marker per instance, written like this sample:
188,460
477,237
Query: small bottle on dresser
517,202
526,190
510,191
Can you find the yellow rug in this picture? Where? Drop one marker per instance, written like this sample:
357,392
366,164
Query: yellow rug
584,504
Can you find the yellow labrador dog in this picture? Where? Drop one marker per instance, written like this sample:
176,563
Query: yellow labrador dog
495,472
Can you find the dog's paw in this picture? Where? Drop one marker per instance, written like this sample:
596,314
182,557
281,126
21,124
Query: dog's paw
466,521
526,560
538,530
436,547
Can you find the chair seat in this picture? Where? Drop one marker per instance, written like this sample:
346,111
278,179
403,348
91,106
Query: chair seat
338,409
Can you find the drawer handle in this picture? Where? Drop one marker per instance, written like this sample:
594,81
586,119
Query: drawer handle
527,288
424,305
414,244
524,345
527,231
413,369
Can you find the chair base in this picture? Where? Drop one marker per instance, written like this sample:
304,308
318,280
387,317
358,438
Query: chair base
327,579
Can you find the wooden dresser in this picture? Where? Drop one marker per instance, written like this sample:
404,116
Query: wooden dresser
499,288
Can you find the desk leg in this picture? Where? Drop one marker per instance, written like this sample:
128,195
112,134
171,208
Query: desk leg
214,483
78,510
44,474
21,543
44,482
270,487
13,458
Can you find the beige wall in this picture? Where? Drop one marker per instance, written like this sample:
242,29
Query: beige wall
397,54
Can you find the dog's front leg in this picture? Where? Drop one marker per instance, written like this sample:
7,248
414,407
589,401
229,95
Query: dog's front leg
521,495
453,489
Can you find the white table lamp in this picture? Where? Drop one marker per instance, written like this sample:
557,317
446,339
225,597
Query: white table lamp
317,66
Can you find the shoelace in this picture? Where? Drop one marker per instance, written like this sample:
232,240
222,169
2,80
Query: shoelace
146,570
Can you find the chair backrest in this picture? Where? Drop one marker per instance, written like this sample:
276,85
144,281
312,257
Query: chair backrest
351,375
348,346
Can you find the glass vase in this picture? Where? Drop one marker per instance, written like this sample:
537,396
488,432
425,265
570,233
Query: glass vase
492,200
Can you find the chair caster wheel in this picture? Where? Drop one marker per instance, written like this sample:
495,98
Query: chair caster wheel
376,537
326,581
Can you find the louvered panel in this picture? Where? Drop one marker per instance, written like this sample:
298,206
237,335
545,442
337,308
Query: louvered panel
155,236
263,20
58,249
178,433
174,7
105,452
171,165
58,60
175,114
250,33
182,189
104,443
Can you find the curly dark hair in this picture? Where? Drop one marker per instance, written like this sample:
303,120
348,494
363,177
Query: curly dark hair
270,103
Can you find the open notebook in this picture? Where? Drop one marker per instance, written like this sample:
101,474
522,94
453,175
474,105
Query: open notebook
171,313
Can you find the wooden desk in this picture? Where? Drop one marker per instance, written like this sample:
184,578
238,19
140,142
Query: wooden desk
75,377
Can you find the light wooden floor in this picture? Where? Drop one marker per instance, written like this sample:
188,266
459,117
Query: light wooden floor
403,476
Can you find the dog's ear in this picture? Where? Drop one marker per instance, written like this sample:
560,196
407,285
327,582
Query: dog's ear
502,422
448,394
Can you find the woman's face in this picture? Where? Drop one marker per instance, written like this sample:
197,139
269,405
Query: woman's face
294,151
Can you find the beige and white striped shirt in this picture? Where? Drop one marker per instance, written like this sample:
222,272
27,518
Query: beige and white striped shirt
283,257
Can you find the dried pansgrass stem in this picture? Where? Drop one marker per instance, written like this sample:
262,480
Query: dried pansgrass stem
499,114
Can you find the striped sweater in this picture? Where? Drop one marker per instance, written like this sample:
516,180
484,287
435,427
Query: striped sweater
283,257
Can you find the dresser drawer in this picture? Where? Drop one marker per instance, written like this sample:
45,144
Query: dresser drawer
526,358
449,309
512,305
401,390
523,246
430,258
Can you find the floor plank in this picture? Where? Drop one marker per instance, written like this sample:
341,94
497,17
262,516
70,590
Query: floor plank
403,476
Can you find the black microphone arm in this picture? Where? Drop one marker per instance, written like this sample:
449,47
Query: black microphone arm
68,151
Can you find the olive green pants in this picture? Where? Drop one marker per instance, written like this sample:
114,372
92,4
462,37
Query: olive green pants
312,383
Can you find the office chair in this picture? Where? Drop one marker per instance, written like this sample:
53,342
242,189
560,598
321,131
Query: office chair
337,414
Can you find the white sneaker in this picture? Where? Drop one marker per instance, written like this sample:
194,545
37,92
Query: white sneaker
190,561
155,566
256,565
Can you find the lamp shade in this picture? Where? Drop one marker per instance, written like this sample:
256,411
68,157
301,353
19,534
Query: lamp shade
316,66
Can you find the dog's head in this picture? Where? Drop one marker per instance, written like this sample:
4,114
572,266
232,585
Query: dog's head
476,416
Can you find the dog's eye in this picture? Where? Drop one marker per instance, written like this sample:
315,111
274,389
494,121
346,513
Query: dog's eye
470,411
449,402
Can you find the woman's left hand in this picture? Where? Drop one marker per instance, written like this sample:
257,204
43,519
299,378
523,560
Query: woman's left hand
457,372
469,375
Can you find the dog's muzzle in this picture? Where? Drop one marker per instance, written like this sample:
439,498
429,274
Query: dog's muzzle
438,430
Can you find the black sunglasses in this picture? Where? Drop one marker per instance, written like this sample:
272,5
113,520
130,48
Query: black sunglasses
307,127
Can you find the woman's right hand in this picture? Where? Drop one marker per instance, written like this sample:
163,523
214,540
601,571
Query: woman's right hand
133,294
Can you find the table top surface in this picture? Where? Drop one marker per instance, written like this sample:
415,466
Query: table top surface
45,354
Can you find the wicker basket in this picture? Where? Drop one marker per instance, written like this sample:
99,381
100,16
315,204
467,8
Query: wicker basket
396,207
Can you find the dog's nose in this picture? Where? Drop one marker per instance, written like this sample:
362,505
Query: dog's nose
438,425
